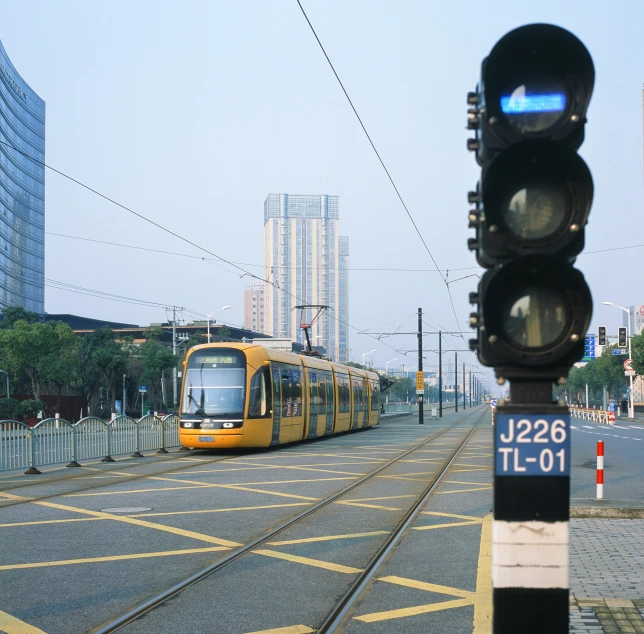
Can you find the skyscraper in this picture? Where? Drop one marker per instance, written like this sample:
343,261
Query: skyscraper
254,306
22,191
306,261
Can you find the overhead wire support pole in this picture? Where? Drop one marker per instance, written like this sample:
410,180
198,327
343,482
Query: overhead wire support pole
420,364
440,376
464,396
456,382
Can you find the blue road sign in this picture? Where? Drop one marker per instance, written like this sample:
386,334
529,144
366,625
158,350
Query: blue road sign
619,351
532,444
143,389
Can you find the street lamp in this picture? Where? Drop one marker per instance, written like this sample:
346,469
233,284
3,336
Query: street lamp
7,373
365,354
631,406
387,363
210,315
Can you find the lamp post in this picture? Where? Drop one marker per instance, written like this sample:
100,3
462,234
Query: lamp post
210,315
387,364
7,373
365,354
631,405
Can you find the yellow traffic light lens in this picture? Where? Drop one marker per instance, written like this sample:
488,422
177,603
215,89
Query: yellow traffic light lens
536,212
537,317
532,108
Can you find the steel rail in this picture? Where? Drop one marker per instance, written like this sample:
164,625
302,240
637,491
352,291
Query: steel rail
340,612
156,600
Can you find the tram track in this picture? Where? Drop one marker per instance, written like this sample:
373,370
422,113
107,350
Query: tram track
148,605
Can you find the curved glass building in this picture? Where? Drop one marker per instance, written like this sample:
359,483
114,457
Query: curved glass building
22,191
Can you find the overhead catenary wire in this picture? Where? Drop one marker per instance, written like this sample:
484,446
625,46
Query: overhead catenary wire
170,232
328,59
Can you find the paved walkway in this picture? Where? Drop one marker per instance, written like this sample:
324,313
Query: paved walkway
606,576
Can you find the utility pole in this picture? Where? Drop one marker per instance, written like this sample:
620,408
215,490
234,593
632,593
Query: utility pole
464,397
455,381
470,390
174,352
420,364
123,405
440,376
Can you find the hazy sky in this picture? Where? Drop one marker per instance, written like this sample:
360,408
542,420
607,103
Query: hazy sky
192,112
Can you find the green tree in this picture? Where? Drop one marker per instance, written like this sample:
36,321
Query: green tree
28,347
155,360
59,365
12,314
110,358
637,345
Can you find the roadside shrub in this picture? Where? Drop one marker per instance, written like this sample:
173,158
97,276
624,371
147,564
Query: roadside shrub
30,408
9,409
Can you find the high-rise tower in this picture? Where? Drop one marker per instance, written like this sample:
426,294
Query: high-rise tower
306,261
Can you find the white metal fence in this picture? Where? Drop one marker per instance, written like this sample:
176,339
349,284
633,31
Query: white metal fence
54,441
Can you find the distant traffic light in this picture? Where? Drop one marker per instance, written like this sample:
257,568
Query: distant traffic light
622,341
531,203
601,336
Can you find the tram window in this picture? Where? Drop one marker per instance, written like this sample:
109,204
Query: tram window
287,403
259,401
375,395
314,399
322,388
296,392
344,394
330,394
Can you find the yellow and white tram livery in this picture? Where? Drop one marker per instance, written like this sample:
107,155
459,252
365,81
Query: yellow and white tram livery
245,395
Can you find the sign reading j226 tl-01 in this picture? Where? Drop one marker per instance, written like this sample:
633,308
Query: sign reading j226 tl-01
532,444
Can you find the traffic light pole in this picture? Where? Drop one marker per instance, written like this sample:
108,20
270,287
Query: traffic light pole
531,512
420,363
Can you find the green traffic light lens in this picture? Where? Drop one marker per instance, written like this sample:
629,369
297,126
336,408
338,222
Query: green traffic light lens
534,106
535,212
535,317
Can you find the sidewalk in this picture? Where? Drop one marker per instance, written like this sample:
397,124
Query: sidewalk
606,567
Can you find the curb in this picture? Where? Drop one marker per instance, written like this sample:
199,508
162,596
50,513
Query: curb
617,513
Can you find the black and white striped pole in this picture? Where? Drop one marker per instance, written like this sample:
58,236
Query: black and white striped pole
533,307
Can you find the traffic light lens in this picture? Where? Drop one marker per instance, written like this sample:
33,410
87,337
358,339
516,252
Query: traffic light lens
536,212
532,109
537,317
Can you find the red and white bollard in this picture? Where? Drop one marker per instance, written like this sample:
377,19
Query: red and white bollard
600,469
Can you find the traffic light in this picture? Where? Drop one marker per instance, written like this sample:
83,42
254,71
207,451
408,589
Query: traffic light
532,203
621,338
601,336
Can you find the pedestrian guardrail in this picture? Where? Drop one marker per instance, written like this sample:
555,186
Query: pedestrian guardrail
54,440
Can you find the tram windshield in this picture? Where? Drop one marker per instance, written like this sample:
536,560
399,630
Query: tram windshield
215,384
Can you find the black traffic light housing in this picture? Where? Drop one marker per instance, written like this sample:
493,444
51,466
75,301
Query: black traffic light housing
601,336
622,340
532,202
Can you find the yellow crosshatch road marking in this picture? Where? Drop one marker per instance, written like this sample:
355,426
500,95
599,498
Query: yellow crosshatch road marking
476,484
310,468
11,625
472,469
83,495
293,629
384,497
429,587
483,600
238,508
131,520
369,506
413,611
328,538
448,525
458,517
203,486
235,487
481,488
93,560
307,561
76,519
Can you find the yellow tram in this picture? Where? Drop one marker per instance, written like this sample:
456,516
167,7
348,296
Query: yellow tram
245,395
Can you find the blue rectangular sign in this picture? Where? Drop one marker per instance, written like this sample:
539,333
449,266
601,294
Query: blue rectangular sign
532,444
620,351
